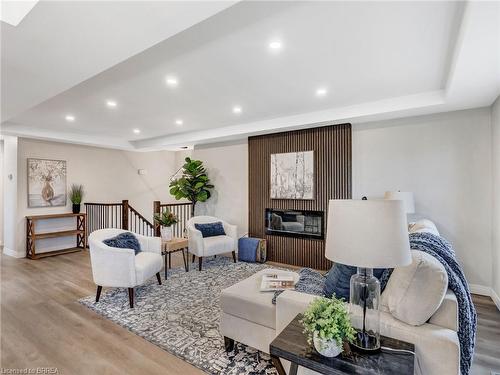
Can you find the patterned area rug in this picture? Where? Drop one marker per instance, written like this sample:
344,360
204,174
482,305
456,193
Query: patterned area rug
182,316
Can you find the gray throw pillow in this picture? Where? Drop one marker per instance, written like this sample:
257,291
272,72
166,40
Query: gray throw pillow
124,240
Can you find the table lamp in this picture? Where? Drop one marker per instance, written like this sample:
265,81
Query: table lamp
367,234
405,196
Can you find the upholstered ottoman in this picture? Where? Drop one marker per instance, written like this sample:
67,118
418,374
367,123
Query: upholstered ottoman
248,315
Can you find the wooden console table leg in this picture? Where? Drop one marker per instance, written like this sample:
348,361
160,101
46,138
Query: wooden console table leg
279,367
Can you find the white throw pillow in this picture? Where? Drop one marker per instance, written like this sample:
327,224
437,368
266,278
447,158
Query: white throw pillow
414,293
423,225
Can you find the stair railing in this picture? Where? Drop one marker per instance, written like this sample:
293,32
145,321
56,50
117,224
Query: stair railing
181,210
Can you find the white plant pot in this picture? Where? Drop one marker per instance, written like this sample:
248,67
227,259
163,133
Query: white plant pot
166,233
327,348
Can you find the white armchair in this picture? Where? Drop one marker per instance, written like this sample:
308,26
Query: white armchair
202,247
121,268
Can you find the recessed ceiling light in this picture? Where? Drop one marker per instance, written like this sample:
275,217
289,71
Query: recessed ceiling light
236,109
172,81
179,122
111,103
275,45
70,118
321,91
136,131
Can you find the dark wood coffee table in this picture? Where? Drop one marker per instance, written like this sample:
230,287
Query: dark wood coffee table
291,344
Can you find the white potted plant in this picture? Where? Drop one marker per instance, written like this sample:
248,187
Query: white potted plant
166,219
327,324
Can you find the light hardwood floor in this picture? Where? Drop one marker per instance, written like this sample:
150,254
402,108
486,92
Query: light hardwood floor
43,325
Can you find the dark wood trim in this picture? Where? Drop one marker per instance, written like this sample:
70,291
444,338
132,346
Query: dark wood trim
125,214
332,180
131,297
98,293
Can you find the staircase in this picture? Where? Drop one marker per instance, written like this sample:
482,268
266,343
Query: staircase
124,216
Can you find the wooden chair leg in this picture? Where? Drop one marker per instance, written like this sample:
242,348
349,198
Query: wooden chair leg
98,294
200,260
158,277
234,256
131,297
193,259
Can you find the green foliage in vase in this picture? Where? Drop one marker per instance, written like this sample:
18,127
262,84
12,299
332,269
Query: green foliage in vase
328,317
76,194
166,218
194,184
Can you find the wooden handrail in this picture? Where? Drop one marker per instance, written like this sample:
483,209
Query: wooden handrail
175,204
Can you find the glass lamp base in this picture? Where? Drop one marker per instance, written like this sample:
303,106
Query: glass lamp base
365,343
365,317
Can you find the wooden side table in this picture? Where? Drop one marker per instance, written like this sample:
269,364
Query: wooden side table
291,344
174,245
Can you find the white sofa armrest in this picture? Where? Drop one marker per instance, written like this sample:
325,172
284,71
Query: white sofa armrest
112,267
195,242
446,315
232,231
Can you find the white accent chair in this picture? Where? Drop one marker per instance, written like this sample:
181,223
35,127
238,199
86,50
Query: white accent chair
121,268
203,247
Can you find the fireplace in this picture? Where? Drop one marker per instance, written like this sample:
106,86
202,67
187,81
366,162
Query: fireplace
295,223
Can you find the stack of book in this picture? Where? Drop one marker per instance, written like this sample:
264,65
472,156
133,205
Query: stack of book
276,281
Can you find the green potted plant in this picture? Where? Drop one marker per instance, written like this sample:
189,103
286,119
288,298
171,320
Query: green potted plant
76,196
166,219
327,325
194,183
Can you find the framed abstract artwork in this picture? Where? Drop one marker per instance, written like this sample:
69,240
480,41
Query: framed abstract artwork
292,175
46,183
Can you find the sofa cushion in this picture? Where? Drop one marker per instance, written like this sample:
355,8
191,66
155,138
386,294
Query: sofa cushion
210,229
415,292
218,244
338,280
423,226
124,240
246,301
146,265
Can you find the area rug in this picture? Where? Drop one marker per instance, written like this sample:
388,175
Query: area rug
182,316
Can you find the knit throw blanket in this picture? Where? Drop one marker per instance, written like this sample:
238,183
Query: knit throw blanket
442,250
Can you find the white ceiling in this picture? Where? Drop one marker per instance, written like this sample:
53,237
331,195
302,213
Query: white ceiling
377,60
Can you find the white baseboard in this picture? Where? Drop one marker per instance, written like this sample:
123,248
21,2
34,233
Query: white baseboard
13,253
495,298
480,289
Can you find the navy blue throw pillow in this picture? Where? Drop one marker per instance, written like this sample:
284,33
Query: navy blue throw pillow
211,229
124,240
338,280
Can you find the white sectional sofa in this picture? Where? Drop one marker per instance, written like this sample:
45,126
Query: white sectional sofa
249,317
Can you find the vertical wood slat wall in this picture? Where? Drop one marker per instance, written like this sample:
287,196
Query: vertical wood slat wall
333,180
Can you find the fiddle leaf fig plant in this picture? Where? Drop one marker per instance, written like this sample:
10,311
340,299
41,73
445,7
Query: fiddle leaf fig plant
194,184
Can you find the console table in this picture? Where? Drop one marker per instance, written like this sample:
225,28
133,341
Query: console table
291,344
31,235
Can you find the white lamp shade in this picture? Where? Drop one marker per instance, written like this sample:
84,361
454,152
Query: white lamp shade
367,233
405,196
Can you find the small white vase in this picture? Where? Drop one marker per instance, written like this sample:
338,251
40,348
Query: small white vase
327,348
166,233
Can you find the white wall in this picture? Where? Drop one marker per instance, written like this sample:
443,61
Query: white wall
445,160
1,191
495,127
10,195
107,175
227,166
